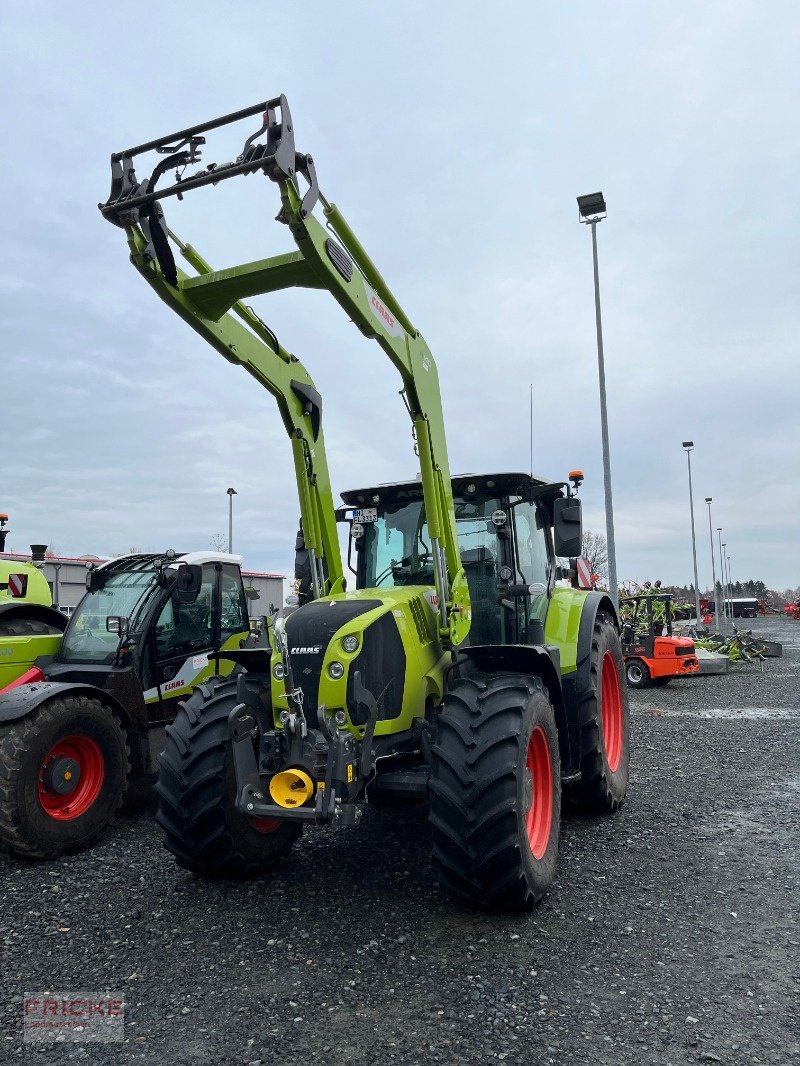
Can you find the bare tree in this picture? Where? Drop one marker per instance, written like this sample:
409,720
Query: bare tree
219,542
593,548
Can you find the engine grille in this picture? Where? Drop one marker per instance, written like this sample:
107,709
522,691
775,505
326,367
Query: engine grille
311,628
419,612
382,662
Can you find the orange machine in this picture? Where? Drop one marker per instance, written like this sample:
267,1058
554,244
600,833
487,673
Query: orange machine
653,656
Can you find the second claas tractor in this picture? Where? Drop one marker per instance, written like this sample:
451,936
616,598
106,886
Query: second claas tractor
91,710
653,656
29,624
455,670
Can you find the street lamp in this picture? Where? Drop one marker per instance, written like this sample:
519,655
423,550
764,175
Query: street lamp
713,568
231,494
591,210
730,586
688,445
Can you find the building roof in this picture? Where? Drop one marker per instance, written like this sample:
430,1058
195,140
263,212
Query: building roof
83,559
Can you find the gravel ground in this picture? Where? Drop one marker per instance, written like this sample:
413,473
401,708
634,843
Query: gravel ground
670,934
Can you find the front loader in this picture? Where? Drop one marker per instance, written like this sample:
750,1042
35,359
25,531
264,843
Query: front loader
456,670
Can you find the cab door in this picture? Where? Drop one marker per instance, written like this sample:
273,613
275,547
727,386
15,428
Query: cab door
183,636
531,537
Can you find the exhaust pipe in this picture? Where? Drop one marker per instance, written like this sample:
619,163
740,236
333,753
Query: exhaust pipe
3,531
291,788
38,554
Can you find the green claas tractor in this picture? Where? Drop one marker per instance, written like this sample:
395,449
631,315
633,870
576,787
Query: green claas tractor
456,670
92,709
29,625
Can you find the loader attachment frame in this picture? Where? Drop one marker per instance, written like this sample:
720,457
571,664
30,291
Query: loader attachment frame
328,256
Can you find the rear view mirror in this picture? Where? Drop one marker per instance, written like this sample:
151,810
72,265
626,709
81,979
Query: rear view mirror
117,623
567,526
190,581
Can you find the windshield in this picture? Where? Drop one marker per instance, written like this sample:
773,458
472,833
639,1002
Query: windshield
397,545
124,594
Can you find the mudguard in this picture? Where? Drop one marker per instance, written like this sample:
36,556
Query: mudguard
33,612
594,602
25,699
535,659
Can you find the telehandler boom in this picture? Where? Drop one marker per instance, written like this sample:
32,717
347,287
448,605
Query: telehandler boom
456,670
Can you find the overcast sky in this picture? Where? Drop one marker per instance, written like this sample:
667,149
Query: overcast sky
455,138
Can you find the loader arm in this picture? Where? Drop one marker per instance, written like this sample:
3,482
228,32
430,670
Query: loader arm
327,257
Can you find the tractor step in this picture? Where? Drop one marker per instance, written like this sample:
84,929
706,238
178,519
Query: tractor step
402,785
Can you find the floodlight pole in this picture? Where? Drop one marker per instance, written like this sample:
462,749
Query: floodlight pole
612,554
713,568
231,494
722,578
730,586
688,445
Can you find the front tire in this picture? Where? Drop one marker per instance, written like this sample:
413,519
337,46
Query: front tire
637,674
197,789
495,792
63,771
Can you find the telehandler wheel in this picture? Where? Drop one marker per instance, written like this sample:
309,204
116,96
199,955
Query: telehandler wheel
197,788
603,720
495,792
63,771
637,674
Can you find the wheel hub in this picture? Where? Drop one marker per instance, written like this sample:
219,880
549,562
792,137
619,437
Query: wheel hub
539,816
611,711
71,777
62,775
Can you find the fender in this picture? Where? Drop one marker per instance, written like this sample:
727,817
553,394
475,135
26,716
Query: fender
22,701
537,660
594,602
33,612
574,685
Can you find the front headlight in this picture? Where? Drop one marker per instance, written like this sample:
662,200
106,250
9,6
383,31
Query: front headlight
350,643
335,670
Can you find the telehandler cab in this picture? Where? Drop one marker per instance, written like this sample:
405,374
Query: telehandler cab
93,707
456,668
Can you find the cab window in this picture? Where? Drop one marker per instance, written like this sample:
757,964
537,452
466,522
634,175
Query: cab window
234,605
185,627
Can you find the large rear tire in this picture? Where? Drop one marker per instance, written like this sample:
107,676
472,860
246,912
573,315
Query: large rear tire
495,792
63,771
604,722
197,789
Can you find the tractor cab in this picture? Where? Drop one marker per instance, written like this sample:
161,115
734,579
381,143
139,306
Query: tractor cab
504,524
151,621
653,656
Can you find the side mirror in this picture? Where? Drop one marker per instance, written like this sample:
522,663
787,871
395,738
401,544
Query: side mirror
117,623
189,583
567,526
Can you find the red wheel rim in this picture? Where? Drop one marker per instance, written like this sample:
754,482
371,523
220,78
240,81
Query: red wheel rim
611,708
76,758
540,815
265,825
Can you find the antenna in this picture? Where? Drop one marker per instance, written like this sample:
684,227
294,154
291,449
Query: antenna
531,430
